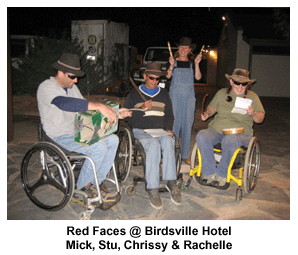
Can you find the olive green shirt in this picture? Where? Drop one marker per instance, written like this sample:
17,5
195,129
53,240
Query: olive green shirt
224,118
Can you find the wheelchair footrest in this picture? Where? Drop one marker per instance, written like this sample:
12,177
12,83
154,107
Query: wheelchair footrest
213,184
105,205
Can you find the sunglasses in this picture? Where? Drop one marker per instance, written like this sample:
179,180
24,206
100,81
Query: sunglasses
238,83
72,77
153,78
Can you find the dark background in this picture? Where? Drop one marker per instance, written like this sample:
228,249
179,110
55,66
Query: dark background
148,26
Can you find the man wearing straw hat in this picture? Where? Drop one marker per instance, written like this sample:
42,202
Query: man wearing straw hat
156,113
59,99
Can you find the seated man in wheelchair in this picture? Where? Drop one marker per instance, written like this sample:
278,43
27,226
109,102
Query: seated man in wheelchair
232,130
155,112
59,99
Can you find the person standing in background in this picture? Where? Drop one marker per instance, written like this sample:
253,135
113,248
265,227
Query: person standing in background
183,68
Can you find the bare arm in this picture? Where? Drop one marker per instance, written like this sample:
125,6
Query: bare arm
170,69
208,113
198,74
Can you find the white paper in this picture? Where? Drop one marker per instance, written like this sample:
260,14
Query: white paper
157,132
241,104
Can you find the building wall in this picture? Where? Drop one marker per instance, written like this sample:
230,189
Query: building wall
242,59
227,52
272,71
273,75
212,67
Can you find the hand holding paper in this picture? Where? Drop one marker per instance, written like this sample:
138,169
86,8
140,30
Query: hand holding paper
241,105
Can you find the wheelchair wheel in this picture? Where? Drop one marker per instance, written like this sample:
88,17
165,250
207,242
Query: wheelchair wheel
194,161
177,156
251,165
47,177
123,158
130,190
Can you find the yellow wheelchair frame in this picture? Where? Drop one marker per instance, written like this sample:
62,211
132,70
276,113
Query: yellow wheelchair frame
247,172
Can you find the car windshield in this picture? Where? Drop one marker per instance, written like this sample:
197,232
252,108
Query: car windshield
157,55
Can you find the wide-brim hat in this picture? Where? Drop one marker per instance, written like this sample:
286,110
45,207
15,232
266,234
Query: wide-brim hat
155,69
240,75
186,41
69,63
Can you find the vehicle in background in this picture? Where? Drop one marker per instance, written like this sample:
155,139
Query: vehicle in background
109,41
158,55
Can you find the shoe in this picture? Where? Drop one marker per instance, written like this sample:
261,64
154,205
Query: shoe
106,195
186,160
208,179
154,198
90,190
221,181
175,192
108,198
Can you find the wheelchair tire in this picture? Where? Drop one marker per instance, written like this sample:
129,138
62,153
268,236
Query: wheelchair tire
251,165
177,156
194,162
123,158
130,190
47,176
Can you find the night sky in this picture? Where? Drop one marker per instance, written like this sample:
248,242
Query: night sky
152,26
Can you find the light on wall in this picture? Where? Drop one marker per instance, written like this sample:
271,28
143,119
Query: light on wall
212,53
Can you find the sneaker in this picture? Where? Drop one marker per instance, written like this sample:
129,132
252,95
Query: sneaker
106,195
209,178
221,180
175,192
108,198
154,198
90,190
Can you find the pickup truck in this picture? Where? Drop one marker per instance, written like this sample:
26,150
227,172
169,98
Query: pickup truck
154,54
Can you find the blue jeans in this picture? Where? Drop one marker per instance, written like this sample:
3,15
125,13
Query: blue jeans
102,153
154,146
207,138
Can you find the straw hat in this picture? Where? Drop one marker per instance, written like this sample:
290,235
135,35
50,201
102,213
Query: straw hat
240,75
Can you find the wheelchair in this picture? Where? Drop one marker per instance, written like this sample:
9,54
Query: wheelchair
49,173
131,152
245,159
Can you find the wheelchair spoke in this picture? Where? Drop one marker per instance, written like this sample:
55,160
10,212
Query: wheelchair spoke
41,181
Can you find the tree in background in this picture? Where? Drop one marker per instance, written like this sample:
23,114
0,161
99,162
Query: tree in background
36,67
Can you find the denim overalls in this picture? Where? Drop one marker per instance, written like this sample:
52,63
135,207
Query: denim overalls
183,99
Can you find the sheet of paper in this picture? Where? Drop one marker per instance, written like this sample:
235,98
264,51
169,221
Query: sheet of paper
156,132
241,104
